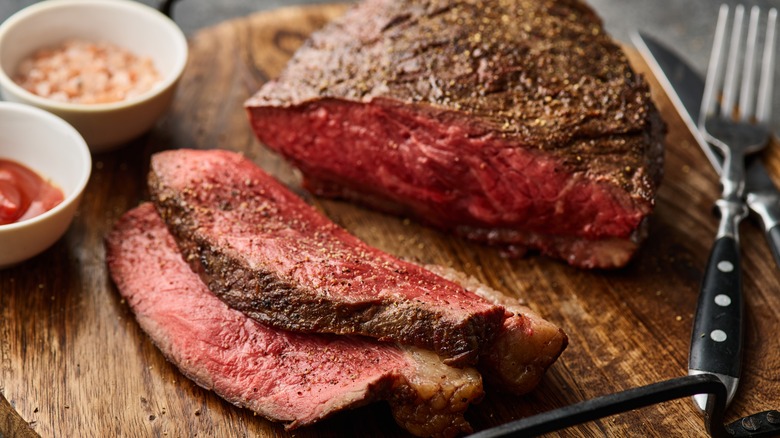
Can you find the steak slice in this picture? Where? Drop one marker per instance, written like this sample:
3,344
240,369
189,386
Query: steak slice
265,252
294,378
518,123
527,344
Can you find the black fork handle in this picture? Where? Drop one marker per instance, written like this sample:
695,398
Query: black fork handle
716,338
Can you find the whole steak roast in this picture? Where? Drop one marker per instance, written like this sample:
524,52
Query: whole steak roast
515,122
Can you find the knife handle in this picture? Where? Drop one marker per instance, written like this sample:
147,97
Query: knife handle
773,237
716,340
766,206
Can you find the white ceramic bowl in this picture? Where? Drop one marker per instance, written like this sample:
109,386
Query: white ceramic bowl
52,148
133,26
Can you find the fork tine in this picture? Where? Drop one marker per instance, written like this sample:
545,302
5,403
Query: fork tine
732,71
764,107
746,93
714,70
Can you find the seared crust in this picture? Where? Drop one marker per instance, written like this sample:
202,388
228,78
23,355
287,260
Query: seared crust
524,349
266,253
541,74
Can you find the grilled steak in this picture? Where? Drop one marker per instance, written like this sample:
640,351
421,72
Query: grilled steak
294,378
525,347
206,197
518,123
265,252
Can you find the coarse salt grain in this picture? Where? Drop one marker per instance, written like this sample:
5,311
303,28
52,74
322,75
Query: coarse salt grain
80,71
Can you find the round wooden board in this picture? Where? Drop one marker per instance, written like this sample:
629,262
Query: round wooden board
75,363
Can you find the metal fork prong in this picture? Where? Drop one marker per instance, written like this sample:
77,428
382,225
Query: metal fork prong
714,70
732,70
764,106
747,92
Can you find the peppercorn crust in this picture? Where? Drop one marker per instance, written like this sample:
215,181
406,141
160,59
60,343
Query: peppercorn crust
268,254
516,123
542,73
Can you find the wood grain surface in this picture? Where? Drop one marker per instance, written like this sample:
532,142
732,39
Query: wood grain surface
73,362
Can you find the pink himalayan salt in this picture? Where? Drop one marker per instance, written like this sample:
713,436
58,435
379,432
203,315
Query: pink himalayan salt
84,72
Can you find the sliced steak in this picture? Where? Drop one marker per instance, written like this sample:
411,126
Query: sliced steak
267,253
293,378
525,347
518,123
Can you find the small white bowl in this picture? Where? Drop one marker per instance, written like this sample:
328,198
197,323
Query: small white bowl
51,147
138,28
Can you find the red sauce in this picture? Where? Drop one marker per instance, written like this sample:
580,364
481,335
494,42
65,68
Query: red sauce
24,194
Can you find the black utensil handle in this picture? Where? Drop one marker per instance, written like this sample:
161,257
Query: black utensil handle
634,398
716,339
773,237
759,425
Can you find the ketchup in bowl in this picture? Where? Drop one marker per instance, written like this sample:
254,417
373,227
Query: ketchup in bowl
24,194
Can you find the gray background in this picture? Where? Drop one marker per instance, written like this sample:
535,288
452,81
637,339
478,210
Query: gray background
686,25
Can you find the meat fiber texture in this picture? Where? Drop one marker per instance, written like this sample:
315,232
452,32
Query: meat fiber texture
518,123
294,378
524,348
265,252
270,255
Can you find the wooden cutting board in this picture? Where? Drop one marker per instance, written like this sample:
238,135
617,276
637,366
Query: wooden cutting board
73,362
